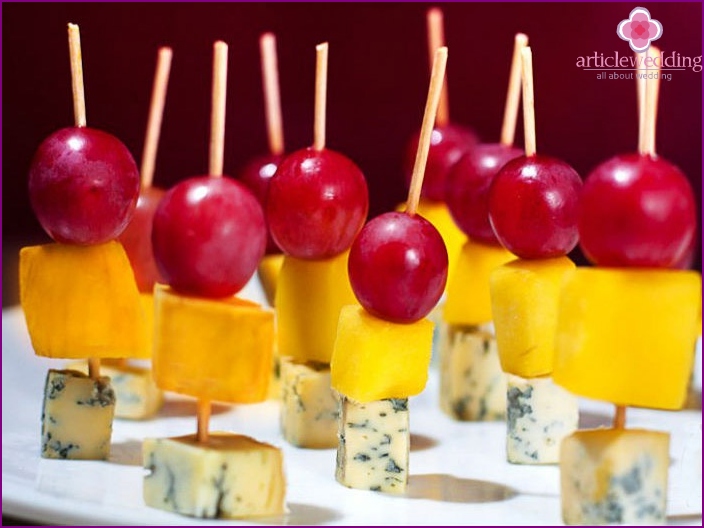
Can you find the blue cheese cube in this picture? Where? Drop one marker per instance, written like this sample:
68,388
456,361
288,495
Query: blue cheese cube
77,416
472,384
309,406
374,444
539,415
136,395
228,476
614,476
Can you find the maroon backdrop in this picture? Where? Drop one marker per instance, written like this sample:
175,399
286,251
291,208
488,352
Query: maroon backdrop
378,75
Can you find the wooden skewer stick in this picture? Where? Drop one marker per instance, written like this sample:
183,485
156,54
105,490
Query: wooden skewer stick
652,90
620,417
436,40
528,101
321,92
272,96
513,96
94,368
203,420
640,93
217,113
79,97
431,107
156,113
79,118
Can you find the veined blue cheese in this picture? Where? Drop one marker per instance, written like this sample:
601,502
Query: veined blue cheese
539,415
228,476
374,444
136,395
472,384
309,406
614,476
77,416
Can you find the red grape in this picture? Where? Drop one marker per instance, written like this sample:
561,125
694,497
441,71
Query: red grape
208,236
137,239
83,185
256,175
467,189
533,204
318,201
447,145
398,267
637,211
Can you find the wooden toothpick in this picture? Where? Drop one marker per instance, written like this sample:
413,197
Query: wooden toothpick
431,107
321,88
528,101
94,368
436,40
619,417
508,128
272,96
203,417
217,114
79,98
652,92
640,93
156,114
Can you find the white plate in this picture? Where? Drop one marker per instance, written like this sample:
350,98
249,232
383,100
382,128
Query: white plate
459,475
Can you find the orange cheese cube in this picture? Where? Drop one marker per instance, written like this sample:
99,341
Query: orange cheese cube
212,349
147,302
627,336
81,302
268,272
524,299
309,296
376,359
468,300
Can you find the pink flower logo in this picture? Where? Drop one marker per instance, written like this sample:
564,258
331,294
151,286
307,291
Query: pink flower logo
639,29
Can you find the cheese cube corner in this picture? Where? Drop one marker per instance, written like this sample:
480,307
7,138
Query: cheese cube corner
268,273
229,476
614,476
136,395
76,416
628,336
213,349
375,359
81,301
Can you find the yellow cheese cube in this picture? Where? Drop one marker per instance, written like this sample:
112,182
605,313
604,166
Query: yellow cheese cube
147,301
524,299
212,349
309,296
81,301
439,215
268,272
627,336
376,359
614,476
468,301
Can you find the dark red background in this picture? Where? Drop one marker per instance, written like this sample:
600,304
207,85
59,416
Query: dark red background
378,76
